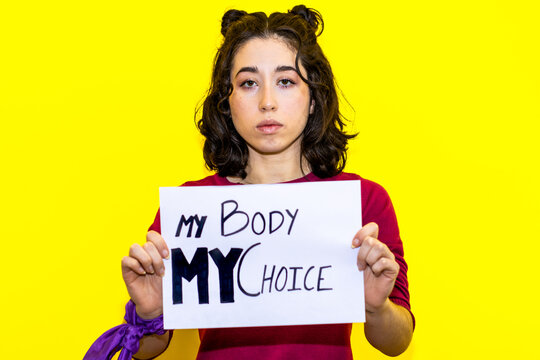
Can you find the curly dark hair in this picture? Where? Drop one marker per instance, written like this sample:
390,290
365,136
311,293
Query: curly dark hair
324,142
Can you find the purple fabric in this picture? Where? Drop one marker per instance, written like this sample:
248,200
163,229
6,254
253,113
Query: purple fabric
125,336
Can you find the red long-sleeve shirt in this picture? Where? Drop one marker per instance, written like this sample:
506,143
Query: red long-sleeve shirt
298,342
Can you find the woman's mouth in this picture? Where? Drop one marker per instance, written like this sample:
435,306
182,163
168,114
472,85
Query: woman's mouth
269,126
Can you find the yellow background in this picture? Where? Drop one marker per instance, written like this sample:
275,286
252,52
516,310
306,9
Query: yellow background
96,111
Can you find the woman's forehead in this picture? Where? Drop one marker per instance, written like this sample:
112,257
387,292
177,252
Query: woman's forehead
265,54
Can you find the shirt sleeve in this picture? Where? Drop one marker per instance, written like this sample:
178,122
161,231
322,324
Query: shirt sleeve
377,207
156,225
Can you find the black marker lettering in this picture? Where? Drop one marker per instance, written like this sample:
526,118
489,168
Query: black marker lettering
182,269
240,269
319,288
272,229
305,279
234,212
271,278
292,220
283,268
294,269
200,225
225,267
189,222
253,223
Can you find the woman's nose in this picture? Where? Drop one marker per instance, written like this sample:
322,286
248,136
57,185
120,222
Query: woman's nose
268,100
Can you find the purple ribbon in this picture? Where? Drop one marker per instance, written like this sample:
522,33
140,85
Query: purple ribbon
125,336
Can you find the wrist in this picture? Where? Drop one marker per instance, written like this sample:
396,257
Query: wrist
126,336
148,315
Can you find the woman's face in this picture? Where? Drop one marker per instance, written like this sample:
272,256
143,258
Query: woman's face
269,103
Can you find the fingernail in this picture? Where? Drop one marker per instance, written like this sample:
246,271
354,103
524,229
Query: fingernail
141,271
151,268
355,243
165,254
162,272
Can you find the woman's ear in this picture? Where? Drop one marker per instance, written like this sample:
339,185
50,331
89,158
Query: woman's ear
312,107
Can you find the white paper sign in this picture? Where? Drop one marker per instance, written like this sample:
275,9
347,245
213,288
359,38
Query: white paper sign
261,255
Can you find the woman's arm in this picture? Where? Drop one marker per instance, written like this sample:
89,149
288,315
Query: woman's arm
388,326
389,329
152,345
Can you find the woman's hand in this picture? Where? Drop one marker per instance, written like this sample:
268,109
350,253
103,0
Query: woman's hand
379,265
142,271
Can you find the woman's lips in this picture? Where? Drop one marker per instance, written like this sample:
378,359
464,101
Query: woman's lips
269,126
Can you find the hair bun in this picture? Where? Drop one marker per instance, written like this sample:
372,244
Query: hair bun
312,17
229,18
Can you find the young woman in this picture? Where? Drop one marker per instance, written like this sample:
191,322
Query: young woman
272,116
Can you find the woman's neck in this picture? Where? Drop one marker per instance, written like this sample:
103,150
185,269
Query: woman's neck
272,169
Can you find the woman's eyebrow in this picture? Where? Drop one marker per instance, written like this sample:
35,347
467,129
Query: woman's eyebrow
251,69
285,68
254,69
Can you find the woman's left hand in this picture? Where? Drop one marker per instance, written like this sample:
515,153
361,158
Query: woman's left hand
379,266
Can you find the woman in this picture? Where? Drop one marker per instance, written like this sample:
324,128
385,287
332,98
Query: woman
272,116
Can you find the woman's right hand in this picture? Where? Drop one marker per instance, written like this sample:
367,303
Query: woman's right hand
142,271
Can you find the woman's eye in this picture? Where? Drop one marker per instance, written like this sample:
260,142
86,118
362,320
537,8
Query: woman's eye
248,83
285,82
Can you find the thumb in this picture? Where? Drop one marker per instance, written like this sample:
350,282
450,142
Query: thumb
369,230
